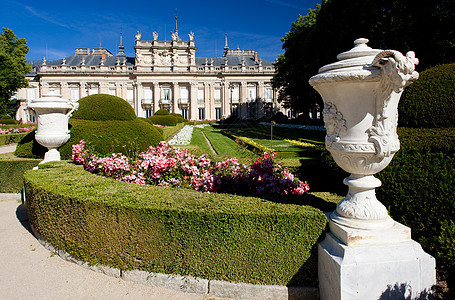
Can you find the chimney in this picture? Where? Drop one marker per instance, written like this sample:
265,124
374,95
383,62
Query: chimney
255,56
104,56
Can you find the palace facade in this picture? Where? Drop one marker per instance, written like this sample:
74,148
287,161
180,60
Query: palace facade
162,74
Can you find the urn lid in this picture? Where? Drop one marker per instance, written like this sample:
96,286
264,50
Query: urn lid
359,56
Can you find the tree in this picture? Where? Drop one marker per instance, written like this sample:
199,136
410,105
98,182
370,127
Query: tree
403,25
13,67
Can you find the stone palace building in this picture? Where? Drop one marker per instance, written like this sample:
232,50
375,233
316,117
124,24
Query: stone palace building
163,74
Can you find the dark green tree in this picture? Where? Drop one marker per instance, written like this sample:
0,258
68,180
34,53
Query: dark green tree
13,67
423,27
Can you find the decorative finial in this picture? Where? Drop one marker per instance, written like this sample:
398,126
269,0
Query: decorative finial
121,49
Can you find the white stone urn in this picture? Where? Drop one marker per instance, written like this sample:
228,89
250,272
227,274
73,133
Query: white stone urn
361,92
52,113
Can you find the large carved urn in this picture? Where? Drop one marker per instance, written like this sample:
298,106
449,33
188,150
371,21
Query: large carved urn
361,92
52,113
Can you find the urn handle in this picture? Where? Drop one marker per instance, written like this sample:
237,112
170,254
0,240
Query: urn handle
75,106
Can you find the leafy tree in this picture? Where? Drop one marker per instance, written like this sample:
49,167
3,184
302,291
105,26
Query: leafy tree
13,66
404,25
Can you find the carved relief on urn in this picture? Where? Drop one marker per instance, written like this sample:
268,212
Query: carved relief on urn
361,92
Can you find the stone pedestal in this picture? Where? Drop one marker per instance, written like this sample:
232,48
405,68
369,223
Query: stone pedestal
373,264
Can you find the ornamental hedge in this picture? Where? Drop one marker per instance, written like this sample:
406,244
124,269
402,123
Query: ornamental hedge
430,101
164,120
106,137
174,231
103,107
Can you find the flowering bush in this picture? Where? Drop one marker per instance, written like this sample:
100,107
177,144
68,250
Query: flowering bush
171,166
16,130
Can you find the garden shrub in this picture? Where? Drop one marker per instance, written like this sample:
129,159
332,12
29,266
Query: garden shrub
174,231
129,137
165,120
6,139
102,107
12,173
430,101
6,119
160,130
179,117
161,112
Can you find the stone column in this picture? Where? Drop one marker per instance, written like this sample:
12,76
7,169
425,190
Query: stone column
156,96
209,100
261,96
193,101
243,99
225,100
175,97
140,112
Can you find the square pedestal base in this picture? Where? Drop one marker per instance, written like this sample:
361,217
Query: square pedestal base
376,271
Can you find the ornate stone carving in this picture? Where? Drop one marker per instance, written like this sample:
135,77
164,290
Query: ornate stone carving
334,123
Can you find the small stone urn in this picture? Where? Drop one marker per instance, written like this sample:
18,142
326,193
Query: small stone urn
52,113
361,92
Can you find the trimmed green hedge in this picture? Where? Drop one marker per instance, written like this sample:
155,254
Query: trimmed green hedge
161,112
6,119
430,101
128,137
165,120
6,139
174,231
12,172
103,107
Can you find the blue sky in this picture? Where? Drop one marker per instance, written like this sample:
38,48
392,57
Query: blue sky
55,28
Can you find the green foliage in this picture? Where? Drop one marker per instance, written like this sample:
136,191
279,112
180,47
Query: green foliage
11,174
102,107
174,231
316,39
165,120
179,117
430,101
106,137
13,66
6,139
6,119
161,112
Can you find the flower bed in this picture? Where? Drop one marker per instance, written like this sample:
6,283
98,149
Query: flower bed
171,166
184,135
16,130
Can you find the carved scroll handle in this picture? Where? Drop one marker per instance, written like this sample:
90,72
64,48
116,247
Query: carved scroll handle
75,106
397,66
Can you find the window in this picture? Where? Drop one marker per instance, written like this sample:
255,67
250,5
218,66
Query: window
148,93
166,94
235,93
112,91
130,95
93,89
251,93
185,113
31,93
184,95
268,94
200,95
148,112
217,95
218,113
201,114
75,93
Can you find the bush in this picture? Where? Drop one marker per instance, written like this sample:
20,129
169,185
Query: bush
179,117
6,119
165,120
103,107
106,137
430,101
161,112
174,231
12,173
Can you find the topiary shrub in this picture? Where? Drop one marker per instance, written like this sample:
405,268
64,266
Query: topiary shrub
128,137
160,130
165,120
179,117
430,101
103,107
161,112
6,119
